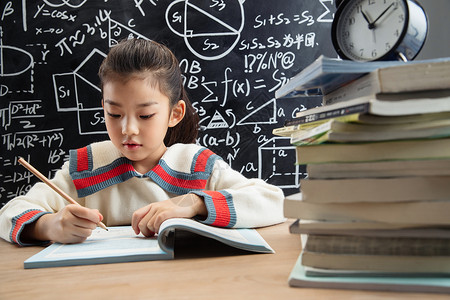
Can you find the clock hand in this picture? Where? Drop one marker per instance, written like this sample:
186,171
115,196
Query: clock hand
373,23
367,20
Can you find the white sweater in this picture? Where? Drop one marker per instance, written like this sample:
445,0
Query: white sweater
98,176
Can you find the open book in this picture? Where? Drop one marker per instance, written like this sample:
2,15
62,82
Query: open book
121,244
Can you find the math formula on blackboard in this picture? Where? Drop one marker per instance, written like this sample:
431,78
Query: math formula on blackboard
233,54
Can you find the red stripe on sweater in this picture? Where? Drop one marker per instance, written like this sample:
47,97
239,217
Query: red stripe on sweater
221,207
93,180
82,159
20,221
202,160
183,183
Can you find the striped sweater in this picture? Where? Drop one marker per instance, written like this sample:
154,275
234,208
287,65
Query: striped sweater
98,176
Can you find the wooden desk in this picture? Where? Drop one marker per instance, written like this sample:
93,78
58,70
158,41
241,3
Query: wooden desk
219,273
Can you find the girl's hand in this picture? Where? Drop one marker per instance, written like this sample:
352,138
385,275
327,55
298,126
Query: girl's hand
149,218
72,224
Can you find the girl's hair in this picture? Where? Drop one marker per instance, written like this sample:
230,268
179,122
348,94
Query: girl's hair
149,59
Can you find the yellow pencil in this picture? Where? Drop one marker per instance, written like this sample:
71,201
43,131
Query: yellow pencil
38,174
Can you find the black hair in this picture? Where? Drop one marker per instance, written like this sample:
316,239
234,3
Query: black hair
145,58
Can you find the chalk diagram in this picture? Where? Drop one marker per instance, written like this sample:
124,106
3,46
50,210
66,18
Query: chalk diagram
76,4
74,92
210,32
117,30
14,62
9,56
270,155
262,111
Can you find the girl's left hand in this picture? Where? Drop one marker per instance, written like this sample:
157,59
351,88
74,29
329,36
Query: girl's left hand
148,219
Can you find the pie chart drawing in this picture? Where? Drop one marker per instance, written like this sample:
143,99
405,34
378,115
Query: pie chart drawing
209,31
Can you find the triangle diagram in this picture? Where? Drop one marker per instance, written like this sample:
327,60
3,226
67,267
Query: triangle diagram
124,32
200,22
88,95
264,114
217,121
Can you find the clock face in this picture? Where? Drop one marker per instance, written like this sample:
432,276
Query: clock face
369,29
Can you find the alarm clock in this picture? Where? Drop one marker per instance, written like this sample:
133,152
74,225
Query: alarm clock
369,30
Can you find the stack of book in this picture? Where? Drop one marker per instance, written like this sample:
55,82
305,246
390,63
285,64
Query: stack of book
373,211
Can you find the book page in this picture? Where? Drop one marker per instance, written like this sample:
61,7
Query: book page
116,241
230,234
242,238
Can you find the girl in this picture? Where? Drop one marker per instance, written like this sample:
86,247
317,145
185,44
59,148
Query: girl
149,171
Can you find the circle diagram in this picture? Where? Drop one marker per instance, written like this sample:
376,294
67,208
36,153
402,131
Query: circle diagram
210,29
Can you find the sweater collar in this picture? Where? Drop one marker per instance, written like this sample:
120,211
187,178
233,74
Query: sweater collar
89,180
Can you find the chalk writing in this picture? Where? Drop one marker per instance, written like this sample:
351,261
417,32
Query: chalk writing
233,55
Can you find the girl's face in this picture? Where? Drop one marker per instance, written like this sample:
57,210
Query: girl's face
137,117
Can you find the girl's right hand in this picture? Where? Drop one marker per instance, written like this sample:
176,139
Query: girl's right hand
72,224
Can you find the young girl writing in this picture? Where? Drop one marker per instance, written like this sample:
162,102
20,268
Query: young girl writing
149,171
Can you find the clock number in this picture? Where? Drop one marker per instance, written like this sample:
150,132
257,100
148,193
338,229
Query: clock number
351,21
374,53
371,2
361,52
401,18
359,8
396,33
388,46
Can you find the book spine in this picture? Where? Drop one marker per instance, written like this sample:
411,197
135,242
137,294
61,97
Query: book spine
377,151
401,189
301,135
377,245
361,87
286,131
419,212
381,263
379,169
335,113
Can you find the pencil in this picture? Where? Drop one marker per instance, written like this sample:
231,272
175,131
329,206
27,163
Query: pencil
39,175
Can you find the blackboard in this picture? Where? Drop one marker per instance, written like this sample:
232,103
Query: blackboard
234,55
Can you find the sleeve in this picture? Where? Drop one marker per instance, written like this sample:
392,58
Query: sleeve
232,200
39,200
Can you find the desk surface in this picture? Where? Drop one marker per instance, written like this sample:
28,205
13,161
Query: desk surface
218,272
